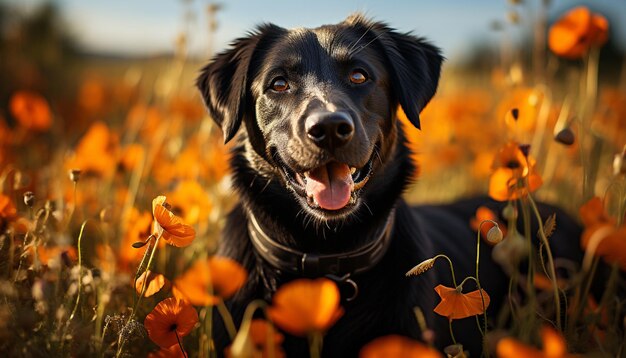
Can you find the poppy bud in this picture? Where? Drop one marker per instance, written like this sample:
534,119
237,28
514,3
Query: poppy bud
565,136
75,175
619,163
106,216
494,235
509,212
29,199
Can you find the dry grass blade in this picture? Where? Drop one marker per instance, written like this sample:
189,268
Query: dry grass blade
549,225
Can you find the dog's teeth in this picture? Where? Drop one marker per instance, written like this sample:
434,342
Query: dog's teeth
352,170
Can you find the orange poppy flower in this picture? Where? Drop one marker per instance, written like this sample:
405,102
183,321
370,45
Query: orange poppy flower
304,306
97,151
170,226
553,346
132,155
592,212
106,258
92,95
458,305
514,174
612,240
31,110
190,201
483,213
7,208
612,244
394,346
52,255
257,341
155,283
186,107
222,275
576,32
146,118
169,319
171,352
138,226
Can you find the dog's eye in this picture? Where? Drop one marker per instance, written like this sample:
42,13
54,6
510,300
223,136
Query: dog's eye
358,77
280,84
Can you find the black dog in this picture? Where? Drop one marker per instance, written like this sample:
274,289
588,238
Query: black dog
320,169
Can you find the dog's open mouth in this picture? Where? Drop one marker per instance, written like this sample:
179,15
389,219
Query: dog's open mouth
332,186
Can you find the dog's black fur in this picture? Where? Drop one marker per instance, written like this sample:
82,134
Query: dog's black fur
240,89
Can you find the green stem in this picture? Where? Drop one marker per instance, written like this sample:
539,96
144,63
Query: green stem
79,282
227,319
451,267
121,341
551,267
315,344
581,295
451,332
480,290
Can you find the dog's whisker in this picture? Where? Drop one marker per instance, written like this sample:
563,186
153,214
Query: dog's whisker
353,46
361,48
368,208
269,181
378,156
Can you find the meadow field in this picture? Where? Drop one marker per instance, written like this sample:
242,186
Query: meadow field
115,184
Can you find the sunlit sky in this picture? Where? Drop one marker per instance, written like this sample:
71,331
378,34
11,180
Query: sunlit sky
148,27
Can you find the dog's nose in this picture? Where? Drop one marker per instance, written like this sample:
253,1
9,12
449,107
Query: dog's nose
329,130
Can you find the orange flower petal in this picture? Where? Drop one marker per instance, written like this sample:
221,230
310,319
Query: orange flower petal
456,305
553,343
259,330
171,352
7,209
169,318
154,284
513,175
304,306
31,110
483,213
206,282
592,212
512,348
394,346
501,184
578,30
175,232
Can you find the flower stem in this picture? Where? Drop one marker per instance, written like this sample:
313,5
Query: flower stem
180,344
451,332
227,319
451,267
79,282
551,268
315,344
480,290
121,341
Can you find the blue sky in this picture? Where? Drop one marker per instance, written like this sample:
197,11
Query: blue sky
146,27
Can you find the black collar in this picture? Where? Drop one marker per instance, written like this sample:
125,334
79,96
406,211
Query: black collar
308,264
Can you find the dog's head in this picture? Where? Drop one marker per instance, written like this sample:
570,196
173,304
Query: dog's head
319,105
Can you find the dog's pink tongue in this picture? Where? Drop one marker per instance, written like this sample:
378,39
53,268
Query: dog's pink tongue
330,185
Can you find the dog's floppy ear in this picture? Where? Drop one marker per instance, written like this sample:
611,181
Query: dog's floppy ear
223,83
414,63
